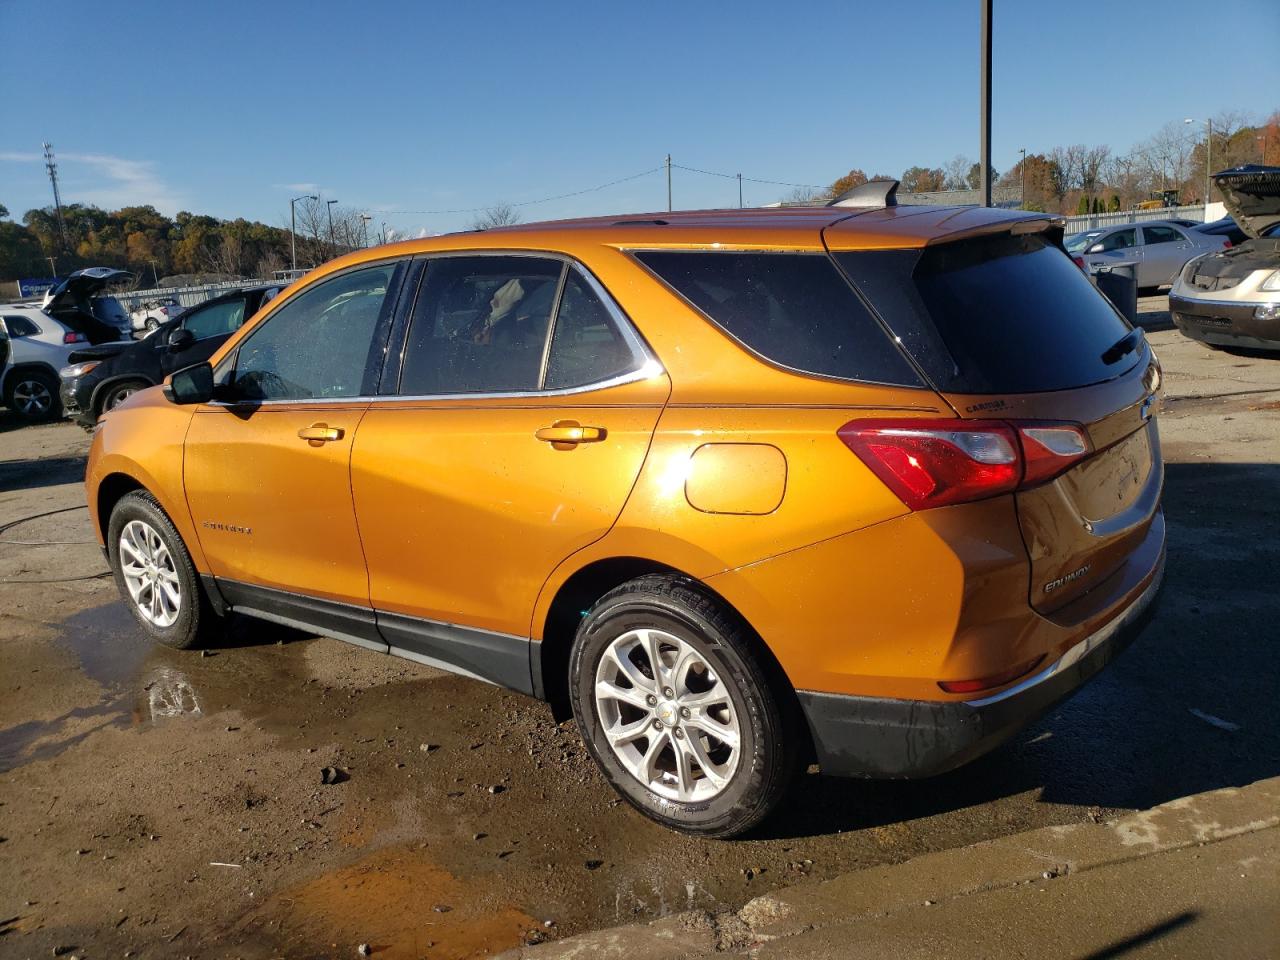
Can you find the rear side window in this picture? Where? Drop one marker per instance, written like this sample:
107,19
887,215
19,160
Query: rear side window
1160,235
480,325
793,309
21,327
586,345
998,314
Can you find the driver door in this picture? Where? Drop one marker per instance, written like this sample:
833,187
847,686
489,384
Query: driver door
267,464
209,327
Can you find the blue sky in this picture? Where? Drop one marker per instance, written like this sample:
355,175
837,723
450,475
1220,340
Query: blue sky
230,108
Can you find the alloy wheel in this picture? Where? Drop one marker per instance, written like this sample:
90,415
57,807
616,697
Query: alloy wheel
32,398
667,715
149,573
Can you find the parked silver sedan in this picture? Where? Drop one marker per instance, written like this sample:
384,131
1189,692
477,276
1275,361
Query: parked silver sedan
1158,248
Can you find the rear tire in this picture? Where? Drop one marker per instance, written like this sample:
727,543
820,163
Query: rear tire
32,395
155,575
706,747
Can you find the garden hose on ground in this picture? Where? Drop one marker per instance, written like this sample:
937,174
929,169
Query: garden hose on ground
5,527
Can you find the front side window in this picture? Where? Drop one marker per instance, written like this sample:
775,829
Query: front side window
324,343
216,320
480,325
1120,240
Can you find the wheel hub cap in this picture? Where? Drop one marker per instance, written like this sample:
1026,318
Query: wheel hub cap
149,573
667,716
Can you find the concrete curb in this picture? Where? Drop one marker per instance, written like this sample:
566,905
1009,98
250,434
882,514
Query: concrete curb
1041,854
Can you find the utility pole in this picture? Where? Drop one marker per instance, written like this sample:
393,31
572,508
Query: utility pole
293,231
364,230
382,238
668,183
1022,175
985,159
57,197
53,270
1208,152
739,191
333,246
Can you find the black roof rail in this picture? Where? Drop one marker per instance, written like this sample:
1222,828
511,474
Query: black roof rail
639,223
873,193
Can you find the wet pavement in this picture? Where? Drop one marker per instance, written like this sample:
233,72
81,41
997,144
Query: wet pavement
172,803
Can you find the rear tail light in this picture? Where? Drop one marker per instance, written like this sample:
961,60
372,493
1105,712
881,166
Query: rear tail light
1079,262
933,463
72,337
1226,244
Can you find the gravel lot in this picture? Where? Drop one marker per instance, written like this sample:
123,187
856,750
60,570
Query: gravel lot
172,804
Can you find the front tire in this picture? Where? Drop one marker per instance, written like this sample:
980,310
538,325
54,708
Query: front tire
677,709
155,575
118,393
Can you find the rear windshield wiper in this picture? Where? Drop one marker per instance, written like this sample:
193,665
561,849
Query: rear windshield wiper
1125,345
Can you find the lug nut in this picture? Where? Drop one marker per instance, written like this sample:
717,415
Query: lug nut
651,700
686,712
657,724
668,692
679,734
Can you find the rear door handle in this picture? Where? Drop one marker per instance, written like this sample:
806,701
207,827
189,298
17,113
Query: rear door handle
320,433
570,432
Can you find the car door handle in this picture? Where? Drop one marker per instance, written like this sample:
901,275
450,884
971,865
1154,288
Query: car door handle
320,433
570,432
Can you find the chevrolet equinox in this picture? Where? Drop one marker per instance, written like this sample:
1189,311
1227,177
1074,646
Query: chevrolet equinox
867,485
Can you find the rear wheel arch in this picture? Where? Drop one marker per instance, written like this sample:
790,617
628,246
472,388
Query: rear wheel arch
27,366
588,585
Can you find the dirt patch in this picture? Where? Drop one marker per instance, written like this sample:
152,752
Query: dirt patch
401,904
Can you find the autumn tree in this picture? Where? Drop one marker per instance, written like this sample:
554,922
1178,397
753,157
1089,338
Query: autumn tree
923,180
854,178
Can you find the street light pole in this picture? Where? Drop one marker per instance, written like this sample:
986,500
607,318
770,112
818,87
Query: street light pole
739,191
333,244
293,231
382,237
985,126
1022,175
364,229
668,183
53,270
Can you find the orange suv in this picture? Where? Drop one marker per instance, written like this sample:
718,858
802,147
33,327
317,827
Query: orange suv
869,485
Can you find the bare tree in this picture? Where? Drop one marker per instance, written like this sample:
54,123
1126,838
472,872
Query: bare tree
957,173
805,195
227,256
499,215
269,264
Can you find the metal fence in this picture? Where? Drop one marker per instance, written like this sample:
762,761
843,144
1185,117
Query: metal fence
1095,220
186,296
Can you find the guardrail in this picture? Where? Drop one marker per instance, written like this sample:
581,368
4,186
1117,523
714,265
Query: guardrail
1094,221
186,296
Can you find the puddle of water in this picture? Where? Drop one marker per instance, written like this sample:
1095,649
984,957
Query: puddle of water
389,900
107,642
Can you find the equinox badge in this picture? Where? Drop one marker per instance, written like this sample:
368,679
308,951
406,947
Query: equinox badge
1063,580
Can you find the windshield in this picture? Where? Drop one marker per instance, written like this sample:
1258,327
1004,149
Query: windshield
1079,241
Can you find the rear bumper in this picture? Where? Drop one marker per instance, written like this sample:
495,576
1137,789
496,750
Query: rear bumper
1224,323
892,739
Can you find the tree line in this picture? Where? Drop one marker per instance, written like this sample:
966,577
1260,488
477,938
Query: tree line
1085,178
151,245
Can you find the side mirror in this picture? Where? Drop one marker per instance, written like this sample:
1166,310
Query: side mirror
1096,248
191,384
180,339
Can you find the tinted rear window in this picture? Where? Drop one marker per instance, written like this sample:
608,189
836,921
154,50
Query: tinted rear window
999,314
794,310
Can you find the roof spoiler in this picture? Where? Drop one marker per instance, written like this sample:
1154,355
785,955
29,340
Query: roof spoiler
873,193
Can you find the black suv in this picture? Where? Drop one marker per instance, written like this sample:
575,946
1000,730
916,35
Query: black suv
100,377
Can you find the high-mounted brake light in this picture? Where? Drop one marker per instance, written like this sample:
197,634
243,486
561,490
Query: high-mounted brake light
934,463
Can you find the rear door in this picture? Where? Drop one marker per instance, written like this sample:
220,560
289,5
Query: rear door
1007,328
1164,250
509,437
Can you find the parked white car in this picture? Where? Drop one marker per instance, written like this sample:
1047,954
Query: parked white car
33,348
151,313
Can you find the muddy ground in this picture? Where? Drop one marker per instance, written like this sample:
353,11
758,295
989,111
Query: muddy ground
155,803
